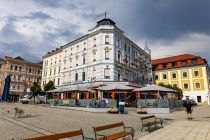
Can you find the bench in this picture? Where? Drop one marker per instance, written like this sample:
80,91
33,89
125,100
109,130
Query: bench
127,131
149,121
62,135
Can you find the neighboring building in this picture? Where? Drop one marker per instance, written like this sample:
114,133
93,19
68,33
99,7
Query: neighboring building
23,74
52,67
188,72
1,71
105,54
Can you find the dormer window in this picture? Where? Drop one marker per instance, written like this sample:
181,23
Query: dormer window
183,63
194,62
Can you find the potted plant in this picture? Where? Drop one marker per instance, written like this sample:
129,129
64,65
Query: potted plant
141,110
113,110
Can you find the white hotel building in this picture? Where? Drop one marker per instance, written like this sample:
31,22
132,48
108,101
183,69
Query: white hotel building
103,55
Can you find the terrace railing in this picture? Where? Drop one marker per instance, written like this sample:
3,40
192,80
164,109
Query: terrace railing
161,103
83,103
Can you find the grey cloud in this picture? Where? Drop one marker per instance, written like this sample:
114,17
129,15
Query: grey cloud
18,49
40,15
168,19
57,3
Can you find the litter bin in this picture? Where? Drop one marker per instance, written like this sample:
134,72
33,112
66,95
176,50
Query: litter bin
122,107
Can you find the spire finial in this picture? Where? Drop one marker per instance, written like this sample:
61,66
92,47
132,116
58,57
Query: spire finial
105,14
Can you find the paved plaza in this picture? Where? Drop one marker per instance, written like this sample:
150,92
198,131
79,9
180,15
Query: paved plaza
182,130
47,120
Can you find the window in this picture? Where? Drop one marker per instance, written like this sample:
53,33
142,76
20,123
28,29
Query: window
76,77
164,66
129,49
94,56
174,75
30,71
197,85
50,72
94,72
118,76
164,76
19,77
84,60
107,73
173,64
15,68
77,61
83,76
125,47
117,41
194,62
59,69
156,77
184,74
106,54
186,86
54,71
183,63
58,81
118,56
11,67
107,39
196,73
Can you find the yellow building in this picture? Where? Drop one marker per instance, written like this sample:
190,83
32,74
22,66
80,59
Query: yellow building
188,72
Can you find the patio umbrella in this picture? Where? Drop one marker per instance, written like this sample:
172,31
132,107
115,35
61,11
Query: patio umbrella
54,90
77,88
5,94
154,87
115,87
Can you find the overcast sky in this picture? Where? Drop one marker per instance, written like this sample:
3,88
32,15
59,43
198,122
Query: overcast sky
31,28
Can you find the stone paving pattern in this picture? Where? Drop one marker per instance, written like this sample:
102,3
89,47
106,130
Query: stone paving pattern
57,120
182,130
46,120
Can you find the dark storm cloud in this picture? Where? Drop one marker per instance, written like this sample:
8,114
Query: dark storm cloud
168,19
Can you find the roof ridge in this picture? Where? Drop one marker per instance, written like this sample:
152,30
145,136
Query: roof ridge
174,58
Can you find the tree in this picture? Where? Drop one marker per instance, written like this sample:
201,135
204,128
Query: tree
47,87
35,89
174,87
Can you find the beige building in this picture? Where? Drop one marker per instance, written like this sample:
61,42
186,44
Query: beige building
1,71
23,74
52,67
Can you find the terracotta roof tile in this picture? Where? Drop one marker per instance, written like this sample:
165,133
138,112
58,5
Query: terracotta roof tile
174,59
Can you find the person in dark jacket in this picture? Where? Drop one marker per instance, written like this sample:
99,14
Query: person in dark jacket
189,108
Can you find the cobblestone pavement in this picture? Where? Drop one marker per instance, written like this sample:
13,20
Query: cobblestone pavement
182,130
46,120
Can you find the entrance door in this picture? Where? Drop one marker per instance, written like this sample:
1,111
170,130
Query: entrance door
199,99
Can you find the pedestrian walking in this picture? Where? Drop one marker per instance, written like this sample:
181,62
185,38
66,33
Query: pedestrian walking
189,108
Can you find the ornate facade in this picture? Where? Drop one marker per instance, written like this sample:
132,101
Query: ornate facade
105,54
23,74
